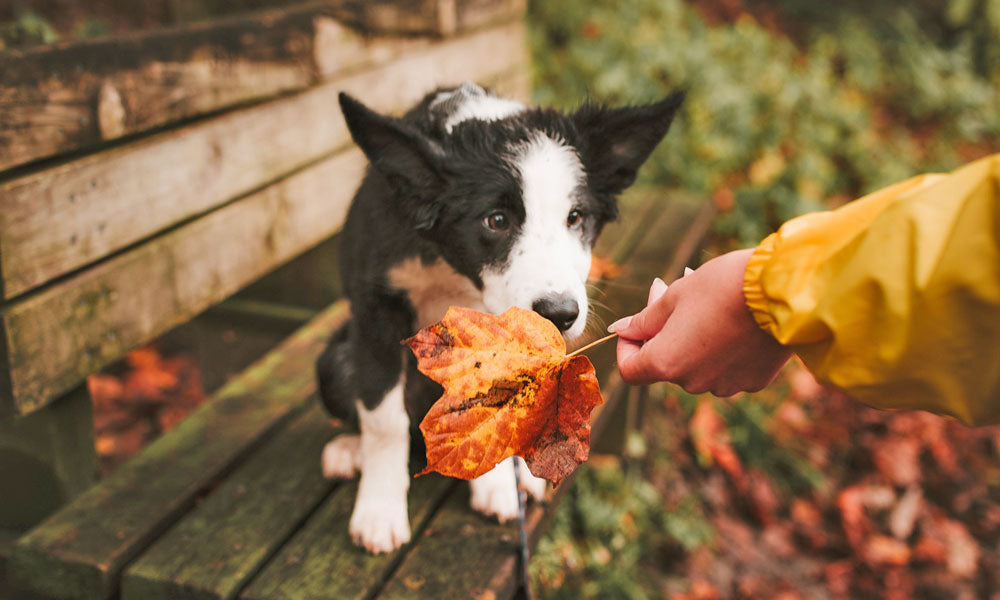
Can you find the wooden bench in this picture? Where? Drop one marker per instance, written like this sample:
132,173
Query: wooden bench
146,178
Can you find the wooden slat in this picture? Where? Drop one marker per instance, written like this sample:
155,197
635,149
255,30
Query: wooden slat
80,551
212,552
321,562
459,556
60,219
55,338
75,94
440,17
59,336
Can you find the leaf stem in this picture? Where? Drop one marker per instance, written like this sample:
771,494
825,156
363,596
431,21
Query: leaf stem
591,345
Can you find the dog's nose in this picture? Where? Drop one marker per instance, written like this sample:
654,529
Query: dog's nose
561,309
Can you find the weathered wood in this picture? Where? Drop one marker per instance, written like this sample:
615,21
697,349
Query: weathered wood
321,563
60,219
214,550
46,458
440,17
460,555
59,336
74,94
79,551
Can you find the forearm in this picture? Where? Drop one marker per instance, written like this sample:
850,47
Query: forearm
894,298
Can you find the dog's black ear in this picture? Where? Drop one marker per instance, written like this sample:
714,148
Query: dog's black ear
619,140
411,163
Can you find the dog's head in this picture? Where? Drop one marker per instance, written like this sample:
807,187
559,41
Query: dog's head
513,197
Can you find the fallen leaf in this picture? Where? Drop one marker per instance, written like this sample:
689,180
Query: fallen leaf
711,440
882,550
904,514
509,390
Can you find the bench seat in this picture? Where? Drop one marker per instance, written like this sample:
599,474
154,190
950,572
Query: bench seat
232,503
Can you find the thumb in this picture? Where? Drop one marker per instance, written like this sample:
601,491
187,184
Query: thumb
647,322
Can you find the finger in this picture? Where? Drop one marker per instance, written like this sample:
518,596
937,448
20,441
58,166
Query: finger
656,290
637,362
627,350
647,322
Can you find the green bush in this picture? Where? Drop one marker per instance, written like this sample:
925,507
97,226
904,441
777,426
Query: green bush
779,127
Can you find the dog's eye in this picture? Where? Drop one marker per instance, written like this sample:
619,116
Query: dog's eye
574,219
497,221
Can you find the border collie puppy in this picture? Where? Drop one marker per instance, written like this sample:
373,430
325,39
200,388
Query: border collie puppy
470,200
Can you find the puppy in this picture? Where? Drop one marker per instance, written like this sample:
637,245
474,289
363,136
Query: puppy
470,200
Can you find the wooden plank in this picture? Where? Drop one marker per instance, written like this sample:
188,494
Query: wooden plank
440,17
75,94
51,340
321,562
59,336
213,551
60,219
459,556
80,551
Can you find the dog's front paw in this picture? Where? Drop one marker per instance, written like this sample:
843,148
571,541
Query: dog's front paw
380,526
342,457
535,486
494,493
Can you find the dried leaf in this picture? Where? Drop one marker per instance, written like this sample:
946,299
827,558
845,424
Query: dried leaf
509,390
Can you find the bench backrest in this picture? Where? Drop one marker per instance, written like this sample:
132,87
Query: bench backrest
144,178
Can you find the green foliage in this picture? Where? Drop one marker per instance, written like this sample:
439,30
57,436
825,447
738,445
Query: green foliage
92,28
605,542
859,104
28,29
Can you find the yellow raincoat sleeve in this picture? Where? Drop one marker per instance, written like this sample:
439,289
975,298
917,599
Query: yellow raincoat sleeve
894,298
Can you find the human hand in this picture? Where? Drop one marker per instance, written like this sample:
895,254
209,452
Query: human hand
699,334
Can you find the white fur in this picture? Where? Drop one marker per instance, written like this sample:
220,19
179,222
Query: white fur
548,257
475,103
380,521
495,492
342,456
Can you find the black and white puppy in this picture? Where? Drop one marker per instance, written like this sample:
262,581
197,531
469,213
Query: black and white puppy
470,200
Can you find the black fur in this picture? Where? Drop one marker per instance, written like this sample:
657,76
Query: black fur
426,194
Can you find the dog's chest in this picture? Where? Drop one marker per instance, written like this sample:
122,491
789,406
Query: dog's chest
433,287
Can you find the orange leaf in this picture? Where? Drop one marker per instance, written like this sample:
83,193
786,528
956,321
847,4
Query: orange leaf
509,390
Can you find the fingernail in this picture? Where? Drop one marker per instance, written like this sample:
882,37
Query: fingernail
657,289
620,324
688,271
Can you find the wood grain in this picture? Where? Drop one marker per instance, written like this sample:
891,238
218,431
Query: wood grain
76,94
321,562
60,219
80,551
59,336
213,551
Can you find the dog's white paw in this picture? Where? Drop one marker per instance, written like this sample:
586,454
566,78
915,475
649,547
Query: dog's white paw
342,457
380,526
535,486
494,492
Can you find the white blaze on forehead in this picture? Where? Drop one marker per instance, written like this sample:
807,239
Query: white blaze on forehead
473,102
547,258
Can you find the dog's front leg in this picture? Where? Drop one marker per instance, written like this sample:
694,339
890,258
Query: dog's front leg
380,522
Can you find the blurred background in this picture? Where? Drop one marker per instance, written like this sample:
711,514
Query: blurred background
793,106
